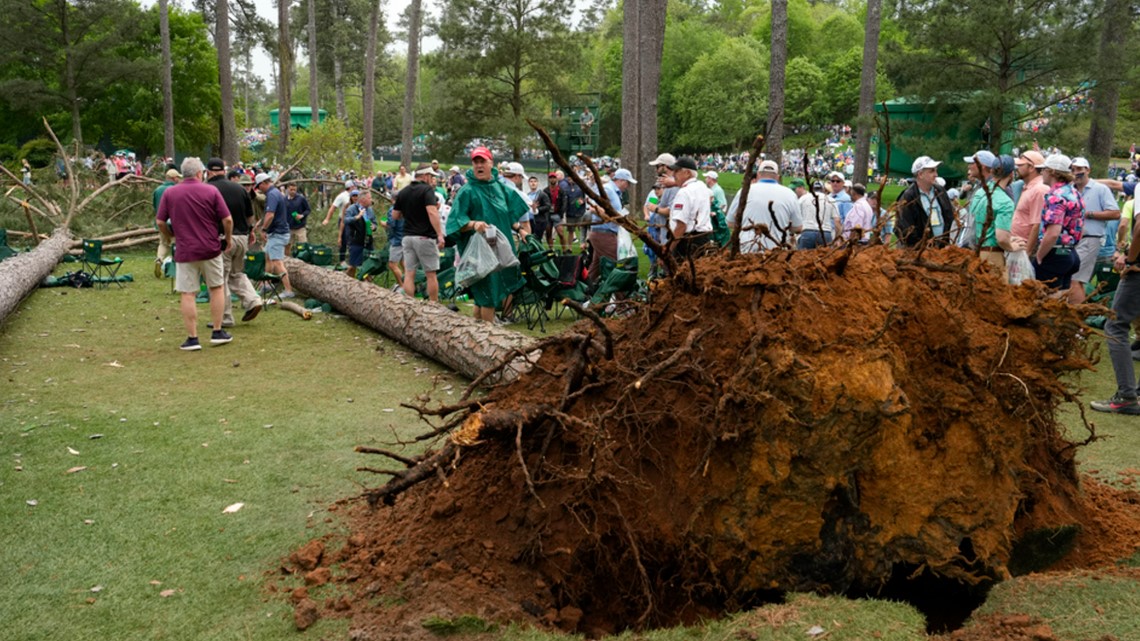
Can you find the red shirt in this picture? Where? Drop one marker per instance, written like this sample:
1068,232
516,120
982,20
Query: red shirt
195,211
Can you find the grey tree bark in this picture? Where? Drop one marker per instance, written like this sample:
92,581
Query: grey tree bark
226,84
370,86
643,33
408,129
338,83
774,143
864,120
167,82
314,97
284,76
460,342
21,274
1106,91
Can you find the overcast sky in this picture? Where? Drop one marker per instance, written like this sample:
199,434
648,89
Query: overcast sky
262,63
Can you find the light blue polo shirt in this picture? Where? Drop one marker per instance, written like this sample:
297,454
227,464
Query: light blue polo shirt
1097,197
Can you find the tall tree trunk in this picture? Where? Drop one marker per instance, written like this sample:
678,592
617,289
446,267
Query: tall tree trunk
69,72
370,86
21,274
867,90
167,83
284,76
643,34
1106,91
776,69
338,82
314,100
460,342
408,129
229,145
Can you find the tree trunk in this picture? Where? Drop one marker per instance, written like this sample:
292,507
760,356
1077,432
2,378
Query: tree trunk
284,77
314,97
774,142
338,82
867,90
229,145
408,129
460,342
370,86
643,32
21,274
167,83
1106,91
69,71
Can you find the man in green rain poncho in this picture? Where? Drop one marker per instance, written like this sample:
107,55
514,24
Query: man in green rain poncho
485,200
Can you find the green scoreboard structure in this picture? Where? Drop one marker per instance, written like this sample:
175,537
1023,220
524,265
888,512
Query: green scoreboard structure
577,123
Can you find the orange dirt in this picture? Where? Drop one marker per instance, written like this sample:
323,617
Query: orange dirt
839,423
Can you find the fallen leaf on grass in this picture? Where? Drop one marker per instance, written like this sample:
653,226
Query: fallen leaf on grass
88,522
229,481
167,593
113,364
32,502
72,451
230,509
73,470
156,582
97,588
815,631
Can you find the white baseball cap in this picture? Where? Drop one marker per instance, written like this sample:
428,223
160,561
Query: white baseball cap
1081,161
923,162
769,167
664,159
712,174
260,178
1059,162
515,169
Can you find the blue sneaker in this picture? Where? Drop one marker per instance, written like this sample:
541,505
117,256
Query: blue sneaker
220,337
191,345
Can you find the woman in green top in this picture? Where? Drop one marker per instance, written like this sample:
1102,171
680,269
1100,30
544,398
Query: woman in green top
484,200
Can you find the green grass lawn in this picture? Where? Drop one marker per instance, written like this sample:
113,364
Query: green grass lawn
135,545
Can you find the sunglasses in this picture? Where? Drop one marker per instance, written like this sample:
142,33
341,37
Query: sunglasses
833,180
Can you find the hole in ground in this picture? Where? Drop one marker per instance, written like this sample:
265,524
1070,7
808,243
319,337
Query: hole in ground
946,603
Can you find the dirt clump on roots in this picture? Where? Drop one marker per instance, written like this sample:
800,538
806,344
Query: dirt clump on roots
841,421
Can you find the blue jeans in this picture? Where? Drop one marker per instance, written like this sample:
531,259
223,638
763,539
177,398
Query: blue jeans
812,239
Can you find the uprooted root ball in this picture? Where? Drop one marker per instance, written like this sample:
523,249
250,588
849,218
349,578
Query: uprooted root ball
792,421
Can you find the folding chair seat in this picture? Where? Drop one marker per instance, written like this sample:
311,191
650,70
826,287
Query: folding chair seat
268,284
375,264
616,279
103,270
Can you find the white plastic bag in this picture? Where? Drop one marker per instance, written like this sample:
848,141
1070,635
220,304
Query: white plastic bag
502,248
625,248
1018,268
476,262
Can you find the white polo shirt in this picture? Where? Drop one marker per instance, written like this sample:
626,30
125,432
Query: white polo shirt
692,206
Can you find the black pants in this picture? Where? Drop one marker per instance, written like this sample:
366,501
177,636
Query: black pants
695,245
1058,267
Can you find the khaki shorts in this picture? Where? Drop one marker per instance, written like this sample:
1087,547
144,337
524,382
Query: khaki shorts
188,275
1087,250
421,251
298,235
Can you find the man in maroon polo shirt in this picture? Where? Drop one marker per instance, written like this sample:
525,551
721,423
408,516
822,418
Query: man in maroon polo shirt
200,217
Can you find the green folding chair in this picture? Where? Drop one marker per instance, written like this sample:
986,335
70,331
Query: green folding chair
5,250
103,270
268,284
616,279
375,264
322,255
303,252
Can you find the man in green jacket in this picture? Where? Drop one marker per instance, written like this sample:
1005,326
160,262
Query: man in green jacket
484,201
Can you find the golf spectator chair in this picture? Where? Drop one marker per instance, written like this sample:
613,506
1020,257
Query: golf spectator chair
540,282
103,270
322,256
5,250
570,282
267,284
303,252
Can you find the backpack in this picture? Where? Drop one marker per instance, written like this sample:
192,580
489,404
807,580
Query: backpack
79,279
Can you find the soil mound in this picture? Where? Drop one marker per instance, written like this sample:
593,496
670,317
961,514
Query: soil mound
840,422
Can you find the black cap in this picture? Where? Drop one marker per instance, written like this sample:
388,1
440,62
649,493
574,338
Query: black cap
234,173
685,162
216,164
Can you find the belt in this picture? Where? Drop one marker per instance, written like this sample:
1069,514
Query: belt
1091,236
